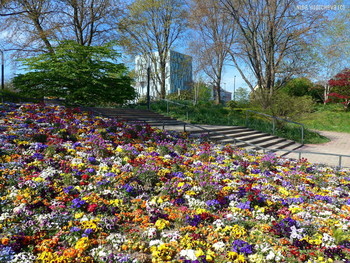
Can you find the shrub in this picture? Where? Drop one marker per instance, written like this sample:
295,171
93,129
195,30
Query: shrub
287,106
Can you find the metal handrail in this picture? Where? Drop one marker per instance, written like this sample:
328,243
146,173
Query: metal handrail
340,156
274,123
300,153
175,103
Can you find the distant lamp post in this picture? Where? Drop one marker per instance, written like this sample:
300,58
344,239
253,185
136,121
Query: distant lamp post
234,88
2,70
148,86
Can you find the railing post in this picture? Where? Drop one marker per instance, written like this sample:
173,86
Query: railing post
246,118
273,125
302,135
340,157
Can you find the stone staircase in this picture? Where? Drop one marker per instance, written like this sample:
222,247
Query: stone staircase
138,116
242,137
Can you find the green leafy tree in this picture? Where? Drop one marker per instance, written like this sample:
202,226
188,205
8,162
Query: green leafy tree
87,75
298,87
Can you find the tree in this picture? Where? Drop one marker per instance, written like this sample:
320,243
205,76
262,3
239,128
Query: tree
242,95
150,29
340,84
35,26
298,87
330,51
214,34
272,38
80,74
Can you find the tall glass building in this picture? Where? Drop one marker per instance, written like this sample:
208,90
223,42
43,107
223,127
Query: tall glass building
178,73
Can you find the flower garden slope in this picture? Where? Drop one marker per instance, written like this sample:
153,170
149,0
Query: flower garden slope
76,188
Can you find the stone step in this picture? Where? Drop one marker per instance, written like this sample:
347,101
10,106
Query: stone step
242,137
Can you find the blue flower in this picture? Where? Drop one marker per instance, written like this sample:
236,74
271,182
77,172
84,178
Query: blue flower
6,254
241,246
77,203
193,221
244,205
74,229
213,203
87,232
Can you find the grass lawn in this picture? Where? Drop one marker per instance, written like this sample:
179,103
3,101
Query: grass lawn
328,118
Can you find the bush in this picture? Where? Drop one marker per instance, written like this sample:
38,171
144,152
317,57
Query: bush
13,96
287,106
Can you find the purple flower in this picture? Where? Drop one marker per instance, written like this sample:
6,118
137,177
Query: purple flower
74,229
77,203
110,174
91,170
213,203
38,156
327,199
87,232
244,205
92,160
68,189
193,221
241,246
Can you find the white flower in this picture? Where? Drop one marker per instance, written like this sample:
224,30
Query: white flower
155,242
296,233
189,254
270,256
151,232
219,246
218,223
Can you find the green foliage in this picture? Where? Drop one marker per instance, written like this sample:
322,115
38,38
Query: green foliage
329,117
85,75
241,96
203,91
184,95
297,87
287,106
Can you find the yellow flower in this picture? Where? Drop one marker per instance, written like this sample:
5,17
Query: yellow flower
46,256
210,256
83,243
78,215
161,224
38,179
236,230
283,191
190,192
116,202
201,211
163,172
199,253
295,209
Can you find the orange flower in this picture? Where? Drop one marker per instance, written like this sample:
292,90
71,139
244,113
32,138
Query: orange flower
5,241
70,252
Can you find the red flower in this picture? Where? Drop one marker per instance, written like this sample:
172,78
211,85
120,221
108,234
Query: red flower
92,207
85,177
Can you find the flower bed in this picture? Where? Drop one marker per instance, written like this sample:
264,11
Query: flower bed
78,188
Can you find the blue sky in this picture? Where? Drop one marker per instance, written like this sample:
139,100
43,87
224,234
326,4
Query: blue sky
229,71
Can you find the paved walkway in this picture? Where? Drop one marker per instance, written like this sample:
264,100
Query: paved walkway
339,145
